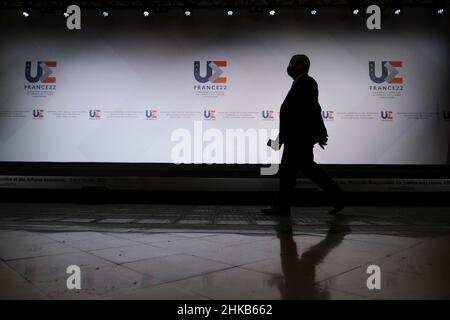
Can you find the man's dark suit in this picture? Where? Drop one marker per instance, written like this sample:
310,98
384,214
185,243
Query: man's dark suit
301,126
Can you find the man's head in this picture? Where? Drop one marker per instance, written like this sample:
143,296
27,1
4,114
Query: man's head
299,64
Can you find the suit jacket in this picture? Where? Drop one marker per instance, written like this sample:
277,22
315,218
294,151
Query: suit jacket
300,114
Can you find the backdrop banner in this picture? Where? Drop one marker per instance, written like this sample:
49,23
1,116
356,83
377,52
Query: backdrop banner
208,88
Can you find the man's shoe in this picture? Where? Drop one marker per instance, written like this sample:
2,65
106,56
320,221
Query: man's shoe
336,209
276,211
338,203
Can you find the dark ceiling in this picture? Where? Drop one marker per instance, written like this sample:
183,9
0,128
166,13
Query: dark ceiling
213,3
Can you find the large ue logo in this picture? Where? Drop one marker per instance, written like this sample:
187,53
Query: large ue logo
42,73
389,72
213,72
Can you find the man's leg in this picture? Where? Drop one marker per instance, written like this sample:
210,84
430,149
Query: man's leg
288,177
314,172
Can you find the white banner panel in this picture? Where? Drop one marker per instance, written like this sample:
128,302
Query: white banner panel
207,89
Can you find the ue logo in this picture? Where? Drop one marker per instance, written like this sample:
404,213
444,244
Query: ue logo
94,113
38,113
389,72
209,114
213,72
267,114
150,114
43,72
328,115
387,115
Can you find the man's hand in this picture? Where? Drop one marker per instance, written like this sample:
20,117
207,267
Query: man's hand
280,141
323,141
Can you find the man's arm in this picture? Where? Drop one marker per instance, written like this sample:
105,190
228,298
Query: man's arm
322,134
322,130
285,115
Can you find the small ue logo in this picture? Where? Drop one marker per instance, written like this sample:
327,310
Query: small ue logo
94,114
209,114
38,113
387,115
151,114
328,115
267,114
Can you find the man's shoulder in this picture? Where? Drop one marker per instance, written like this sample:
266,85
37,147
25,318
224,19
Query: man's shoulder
305,79
310,79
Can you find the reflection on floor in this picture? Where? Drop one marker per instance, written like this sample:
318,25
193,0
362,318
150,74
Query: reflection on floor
218,252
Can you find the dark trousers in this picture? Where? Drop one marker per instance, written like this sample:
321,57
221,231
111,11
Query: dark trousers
301,157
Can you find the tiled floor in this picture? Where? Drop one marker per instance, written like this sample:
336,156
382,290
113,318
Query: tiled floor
162,252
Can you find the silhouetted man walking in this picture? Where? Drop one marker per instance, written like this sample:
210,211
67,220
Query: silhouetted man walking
301,126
